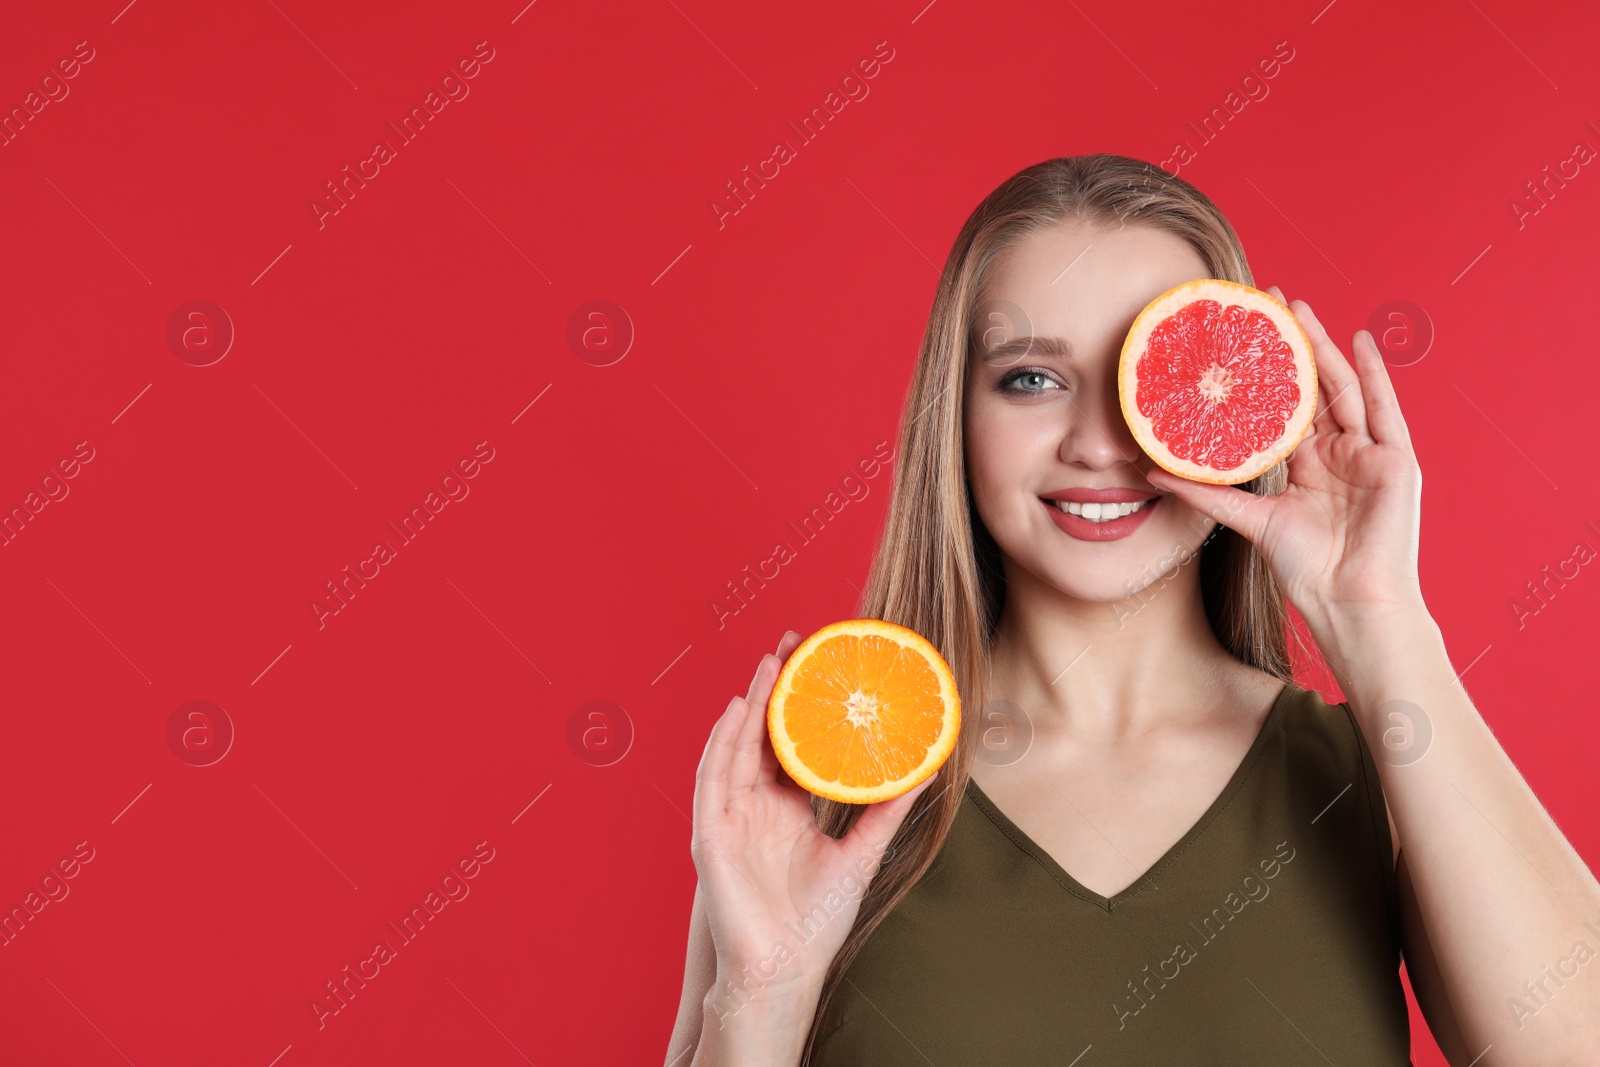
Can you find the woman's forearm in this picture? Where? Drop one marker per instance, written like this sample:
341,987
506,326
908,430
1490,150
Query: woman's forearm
764,1028
1504,897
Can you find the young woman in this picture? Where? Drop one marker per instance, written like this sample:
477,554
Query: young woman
1150,845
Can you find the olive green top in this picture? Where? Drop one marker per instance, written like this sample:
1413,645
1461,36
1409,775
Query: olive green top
1269,934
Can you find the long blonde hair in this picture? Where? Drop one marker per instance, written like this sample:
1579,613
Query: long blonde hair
937,570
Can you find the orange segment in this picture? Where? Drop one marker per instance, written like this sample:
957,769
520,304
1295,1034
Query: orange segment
863,711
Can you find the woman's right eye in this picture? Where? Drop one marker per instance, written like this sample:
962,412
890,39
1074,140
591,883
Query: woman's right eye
1027,380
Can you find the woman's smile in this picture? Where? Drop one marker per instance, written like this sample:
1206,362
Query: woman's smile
1099,514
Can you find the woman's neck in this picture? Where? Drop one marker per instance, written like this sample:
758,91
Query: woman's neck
1110,668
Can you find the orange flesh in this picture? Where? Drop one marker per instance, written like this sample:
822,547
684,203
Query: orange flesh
863,710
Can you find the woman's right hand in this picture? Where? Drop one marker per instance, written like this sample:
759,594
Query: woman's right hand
768,874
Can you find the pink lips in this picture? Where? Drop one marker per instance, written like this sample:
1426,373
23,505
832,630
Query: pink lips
1088,530
1114,495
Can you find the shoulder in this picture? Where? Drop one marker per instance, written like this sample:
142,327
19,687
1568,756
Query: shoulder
1319,744
1325,739
1331,723
1318,729
1338,789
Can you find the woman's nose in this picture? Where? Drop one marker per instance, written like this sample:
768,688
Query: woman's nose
1097,434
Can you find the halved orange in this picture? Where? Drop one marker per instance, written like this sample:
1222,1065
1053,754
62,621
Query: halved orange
863,711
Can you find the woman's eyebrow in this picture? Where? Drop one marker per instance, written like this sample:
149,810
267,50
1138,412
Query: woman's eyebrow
1008,352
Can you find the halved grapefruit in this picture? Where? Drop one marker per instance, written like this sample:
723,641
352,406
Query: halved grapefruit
1217,381
863,711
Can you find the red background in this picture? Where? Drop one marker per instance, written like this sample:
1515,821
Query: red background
771,354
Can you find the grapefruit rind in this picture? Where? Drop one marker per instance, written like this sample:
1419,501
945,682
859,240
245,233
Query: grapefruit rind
784,748
1227,294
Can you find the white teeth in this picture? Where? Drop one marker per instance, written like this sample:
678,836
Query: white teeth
1100,512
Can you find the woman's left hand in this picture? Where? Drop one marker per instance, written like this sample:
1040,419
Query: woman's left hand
1342,538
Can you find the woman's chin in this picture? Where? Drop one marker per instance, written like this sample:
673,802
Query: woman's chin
1123,578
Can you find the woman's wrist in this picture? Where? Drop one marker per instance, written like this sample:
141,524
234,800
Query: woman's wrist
1371,649
776,987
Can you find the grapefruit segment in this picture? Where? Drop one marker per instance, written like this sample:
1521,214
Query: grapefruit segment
1217,381
862,711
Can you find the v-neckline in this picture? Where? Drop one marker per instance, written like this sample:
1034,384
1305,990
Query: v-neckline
1077,888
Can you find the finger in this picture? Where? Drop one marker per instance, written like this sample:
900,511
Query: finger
1387,424
753,759
759,690
751,742
1324,419
868,840
1322,386
768,768
711,777
1322,382
1303,461
1234,508
755,679
1336,379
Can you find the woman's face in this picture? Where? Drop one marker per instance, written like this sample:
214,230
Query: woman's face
1043,421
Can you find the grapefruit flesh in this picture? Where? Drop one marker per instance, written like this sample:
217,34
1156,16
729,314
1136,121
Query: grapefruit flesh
862,711
1217,381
